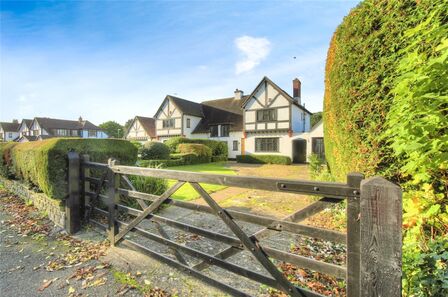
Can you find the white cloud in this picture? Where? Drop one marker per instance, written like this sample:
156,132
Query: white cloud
253,49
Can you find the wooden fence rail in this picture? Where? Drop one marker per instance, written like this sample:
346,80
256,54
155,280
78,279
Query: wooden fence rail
373,238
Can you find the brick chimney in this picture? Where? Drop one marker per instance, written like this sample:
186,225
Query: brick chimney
80,119
239,94
15,121
296,90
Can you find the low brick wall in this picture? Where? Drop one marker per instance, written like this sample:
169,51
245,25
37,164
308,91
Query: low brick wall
53,208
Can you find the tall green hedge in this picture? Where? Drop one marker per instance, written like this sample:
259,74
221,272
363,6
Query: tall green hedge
44,163
386,113
361,66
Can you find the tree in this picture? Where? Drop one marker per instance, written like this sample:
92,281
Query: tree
113,129
127,125
315,118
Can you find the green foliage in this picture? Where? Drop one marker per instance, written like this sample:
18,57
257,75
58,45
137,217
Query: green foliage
5,159
315,118
112,129
264,159
219,148
426,271
316,165
386,110
44,163
194,148
153,150
145,184
127,125
222,158
137,144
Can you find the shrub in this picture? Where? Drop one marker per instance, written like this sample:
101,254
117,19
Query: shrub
44,163
219,148
222,158
5,159
161,163
193,148
153,150
145,184
264,159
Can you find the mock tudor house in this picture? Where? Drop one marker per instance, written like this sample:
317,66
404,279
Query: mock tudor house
44,128
142,129
8,131
267,121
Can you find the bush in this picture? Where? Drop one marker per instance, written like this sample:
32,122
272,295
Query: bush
264,159
153,150
193,148
44,163
219,148
161,163
5,159
219,158
145,184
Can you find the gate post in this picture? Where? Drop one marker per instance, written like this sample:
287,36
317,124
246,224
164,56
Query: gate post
381,242
353,237
113,198
73,203
85,185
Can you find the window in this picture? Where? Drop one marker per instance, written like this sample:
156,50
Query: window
10,135
92,133
225,130
188,123
35,132
213,131
266,115
168,123
61,132
266,145
75,133
235,145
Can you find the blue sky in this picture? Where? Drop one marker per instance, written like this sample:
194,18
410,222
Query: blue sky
112,60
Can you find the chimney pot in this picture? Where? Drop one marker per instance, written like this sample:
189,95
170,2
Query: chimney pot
238,94
296,90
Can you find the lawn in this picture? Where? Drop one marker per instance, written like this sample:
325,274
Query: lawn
186,192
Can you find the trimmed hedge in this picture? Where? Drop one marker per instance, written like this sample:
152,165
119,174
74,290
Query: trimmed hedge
194,148
44,163
153,150
219,158
219,148
264,159
5,159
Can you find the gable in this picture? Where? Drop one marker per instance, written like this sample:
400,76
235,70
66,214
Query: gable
168,110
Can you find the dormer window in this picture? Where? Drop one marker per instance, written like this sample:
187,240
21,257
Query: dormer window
168,123
266,115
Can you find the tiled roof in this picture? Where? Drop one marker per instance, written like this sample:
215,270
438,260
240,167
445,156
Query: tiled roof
186,106
149,124
9,127
48,124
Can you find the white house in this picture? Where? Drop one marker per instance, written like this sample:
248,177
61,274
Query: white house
8,131
142,129
43,128
268,121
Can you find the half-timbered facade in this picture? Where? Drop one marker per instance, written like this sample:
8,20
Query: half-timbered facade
141,129
268,121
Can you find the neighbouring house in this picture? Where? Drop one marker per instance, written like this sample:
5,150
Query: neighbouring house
142,129
44,128
9,131
25,128
267,121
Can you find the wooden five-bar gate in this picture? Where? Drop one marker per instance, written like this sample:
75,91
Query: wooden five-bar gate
373,238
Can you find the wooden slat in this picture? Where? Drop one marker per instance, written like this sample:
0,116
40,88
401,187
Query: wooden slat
336,190
271,223
156,204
